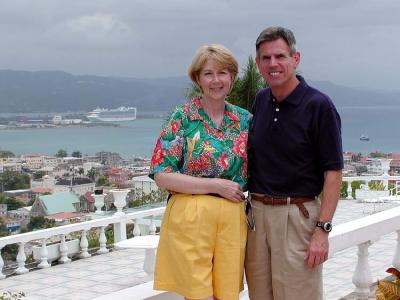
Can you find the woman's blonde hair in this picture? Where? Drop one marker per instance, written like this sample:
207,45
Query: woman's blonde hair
218,54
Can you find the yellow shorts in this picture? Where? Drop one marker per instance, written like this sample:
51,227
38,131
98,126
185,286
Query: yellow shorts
202,247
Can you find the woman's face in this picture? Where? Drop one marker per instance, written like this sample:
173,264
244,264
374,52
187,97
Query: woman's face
214,81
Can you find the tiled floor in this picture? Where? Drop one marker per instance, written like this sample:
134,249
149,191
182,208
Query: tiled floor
103,274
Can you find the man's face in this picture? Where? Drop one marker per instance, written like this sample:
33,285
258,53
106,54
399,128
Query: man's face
276,64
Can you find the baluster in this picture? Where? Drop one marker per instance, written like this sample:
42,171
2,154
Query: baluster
43,255
103,242
64,259
136,229
362,278
152,228
2,276
396,258
349,191
21,258
84,245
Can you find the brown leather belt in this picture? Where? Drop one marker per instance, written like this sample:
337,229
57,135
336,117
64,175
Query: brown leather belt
271,200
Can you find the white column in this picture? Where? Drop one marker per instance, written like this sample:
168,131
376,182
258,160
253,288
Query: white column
362,278
396,258
152,228
21,258
149,261
349,191
120,229
103,241
43,255
84,245
136,229
64,259
2,276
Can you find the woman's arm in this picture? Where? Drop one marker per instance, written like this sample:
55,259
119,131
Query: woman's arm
182,183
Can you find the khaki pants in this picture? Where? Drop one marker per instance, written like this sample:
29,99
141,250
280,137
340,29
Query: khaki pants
275,266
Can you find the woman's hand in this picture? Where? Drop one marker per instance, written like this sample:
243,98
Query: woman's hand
228,189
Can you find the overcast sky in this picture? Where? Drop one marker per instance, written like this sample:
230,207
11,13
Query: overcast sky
349,42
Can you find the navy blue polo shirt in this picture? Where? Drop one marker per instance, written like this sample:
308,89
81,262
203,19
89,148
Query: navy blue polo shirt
292,142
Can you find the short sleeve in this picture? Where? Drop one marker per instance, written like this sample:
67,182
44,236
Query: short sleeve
167,155
329,137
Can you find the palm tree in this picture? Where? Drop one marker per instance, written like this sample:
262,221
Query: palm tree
246,87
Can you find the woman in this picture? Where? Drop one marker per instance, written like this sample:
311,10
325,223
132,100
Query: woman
201,157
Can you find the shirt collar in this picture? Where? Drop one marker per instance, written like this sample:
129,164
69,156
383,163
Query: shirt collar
196,112
296,96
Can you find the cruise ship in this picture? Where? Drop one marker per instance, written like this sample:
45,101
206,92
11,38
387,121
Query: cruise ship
119,114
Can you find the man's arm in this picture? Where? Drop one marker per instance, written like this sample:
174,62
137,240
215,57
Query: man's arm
318,249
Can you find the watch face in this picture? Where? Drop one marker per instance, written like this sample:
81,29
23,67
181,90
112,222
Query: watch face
327,227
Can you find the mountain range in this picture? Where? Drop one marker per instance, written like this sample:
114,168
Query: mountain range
58,91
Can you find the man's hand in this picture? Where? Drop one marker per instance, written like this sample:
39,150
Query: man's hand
317,252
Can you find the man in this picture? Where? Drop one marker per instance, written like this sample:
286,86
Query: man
295,154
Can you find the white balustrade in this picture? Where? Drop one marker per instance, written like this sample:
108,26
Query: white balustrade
136,228
64,259
362,278
84,245
362,232
152,228
118,221
21,258
43,255
2,276
349,190
103,241
396,257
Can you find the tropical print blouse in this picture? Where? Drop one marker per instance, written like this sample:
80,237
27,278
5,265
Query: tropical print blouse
190,143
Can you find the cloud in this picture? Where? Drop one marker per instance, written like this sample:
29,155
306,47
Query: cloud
98,25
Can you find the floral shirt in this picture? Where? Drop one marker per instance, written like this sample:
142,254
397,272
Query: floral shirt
190,143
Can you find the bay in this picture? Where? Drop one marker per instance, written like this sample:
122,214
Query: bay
137,138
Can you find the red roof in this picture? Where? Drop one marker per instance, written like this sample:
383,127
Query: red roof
64,216
40,190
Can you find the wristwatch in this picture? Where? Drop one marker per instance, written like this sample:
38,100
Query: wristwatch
325,226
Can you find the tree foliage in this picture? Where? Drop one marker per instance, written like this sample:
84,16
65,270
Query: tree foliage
11,202
40,222
61,153
76,154
103,180
6,154
38,174
10,180
92,173
246,86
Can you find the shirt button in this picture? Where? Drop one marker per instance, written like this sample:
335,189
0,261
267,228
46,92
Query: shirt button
277,109
275,119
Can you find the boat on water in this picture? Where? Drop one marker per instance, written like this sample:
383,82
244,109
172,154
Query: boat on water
119,114
364,138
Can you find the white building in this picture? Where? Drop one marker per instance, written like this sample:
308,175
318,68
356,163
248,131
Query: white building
144,185
49,162
32,161
14,167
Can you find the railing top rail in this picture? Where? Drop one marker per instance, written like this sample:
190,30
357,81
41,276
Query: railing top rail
365,229
371,177
66,229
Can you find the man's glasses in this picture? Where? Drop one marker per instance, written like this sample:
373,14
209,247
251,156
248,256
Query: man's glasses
248,209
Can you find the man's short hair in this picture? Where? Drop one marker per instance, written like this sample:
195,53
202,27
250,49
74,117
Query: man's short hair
276,32
219,54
